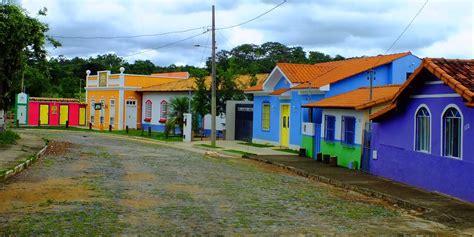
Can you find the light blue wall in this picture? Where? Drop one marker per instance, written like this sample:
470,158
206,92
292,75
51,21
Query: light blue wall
282,83
394,72
403,65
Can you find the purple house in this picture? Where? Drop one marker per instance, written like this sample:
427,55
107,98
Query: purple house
424,137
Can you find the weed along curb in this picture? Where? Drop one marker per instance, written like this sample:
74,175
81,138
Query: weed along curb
23,165
399,202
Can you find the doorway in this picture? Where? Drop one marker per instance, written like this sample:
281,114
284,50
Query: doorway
131,114
285,125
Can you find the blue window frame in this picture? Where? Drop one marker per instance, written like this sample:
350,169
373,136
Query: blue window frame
348,130
330,127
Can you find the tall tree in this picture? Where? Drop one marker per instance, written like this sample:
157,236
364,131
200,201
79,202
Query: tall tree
22,39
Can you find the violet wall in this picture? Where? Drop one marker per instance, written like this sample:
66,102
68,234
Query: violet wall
393,141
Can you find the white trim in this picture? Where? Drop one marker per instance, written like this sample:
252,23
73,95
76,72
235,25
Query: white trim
128,88
414,128
442,131
271,75
449,95
434,82
121,107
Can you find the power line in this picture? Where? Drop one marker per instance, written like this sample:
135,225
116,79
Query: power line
204,50
128,36
406,28
166,45
248,21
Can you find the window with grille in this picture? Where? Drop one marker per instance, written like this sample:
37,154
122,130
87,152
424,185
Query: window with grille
423,130
112,112
148,109
452,133
92,111
163,111
266,116
348,130
330,127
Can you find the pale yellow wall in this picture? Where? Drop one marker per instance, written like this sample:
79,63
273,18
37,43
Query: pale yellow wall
144,81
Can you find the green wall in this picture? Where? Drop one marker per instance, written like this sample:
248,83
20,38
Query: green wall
308,144
345,154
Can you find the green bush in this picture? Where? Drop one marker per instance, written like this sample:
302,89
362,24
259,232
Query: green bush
8,137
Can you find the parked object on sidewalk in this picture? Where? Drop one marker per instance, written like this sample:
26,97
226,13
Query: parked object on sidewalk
326,158
40,111
319,157
345,128
333,161
280,119
423,138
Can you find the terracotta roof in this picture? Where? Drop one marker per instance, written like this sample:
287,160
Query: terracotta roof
346,68
189,84
279,91
54,99
359,98
299,73
456,73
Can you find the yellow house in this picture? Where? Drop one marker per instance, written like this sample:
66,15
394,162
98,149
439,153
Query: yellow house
113,99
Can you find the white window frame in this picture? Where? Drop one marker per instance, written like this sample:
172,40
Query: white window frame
148,109
92,112
414,128
442,132
112,112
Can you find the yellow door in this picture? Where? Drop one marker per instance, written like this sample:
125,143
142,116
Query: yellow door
285,126
82,116
63,114
44,114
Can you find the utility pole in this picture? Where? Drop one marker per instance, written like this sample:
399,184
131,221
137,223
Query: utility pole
371,78
213,97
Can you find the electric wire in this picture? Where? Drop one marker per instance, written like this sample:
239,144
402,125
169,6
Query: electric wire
129,36
166,45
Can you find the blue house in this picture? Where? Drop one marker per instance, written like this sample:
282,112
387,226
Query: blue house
279,118
423,138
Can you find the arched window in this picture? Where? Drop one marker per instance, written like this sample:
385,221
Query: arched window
148,110
423,130
452,133
163,111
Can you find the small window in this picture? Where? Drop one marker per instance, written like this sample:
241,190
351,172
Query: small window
422,132
348,130
92,111
330,127
148,108
112,112
163,111
452,133
266,116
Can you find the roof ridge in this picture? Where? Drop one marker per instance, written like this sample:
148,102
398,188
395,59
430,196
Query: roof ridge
381,86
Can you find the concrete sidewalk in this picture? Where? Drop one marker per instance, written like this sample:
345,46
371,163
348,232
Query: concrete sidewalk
242,146
27,145
429,205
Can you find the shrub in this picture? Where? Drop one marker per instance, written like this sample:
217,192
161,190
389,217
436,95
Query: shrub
8,137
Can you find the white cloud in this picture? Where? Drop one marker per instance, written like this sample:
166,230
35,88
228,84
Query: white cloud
346,27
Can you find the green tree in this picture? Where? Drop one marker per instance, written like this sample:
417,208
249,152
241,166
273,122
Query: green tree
179,106
22,40
201,102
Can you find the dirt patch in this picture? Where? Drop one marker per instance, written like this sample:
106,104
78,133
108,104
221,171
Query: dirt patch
139,177
37,194
56,148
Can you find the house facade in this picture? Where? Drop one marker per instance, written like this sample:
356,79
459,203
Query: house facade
344,122
156,103
113,98
423,138
280,119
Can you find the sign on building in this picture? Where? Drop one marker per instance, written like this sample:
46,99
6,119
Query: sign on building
103,76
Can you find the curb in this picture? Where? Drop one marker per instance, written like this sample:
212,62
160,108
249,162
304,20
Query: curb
25,164
393,200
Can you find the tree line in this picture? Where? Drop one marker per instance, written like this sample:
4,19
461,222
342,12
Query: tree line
23,56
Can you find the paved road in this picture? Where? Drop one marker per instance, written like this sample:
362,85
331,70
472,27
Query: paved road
91,184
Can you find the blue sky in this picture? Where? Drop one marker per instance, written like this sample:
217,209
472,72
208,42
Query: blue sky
347,27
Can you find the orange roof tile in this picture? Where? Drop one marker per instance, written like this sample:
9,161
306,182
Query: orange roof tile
299,73
456,73
279,91
189,84
359,98
346,68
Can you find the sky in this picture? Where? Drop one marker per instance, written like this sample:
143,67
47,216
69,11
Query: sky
444,28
